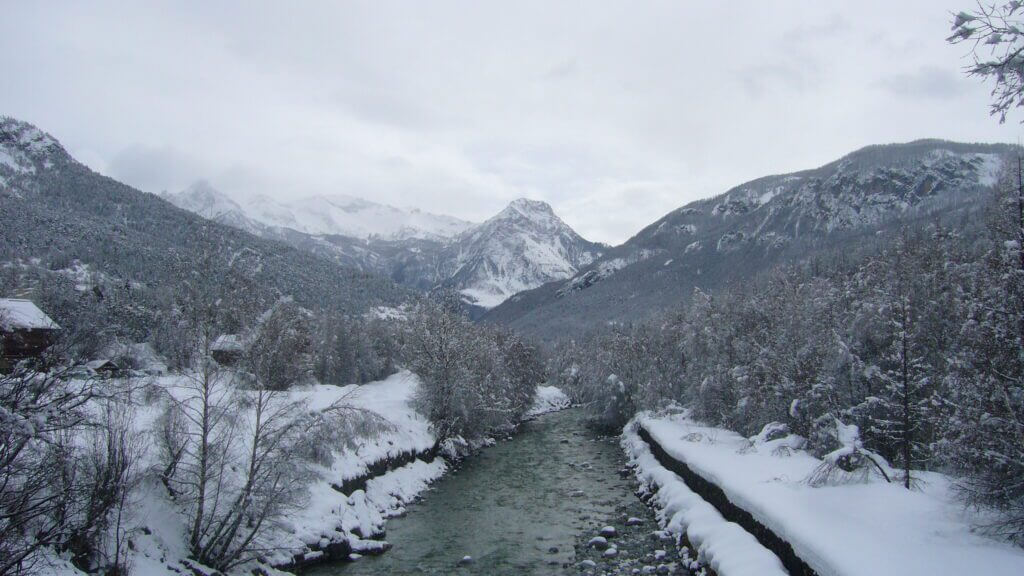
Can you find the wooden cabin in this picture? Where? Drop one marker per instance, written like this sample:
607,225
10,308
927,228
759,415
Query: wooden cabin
227,349
25,331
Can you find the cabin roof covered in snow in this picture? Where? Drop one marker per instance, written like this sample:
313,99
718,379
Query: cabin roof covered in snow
227,343
97,364
17,313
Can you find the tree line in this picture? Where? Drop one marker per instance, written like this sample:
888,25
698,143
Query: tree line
230,447
920,345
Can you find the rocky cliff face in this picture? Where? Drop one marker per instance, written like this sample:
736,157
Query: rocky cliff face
522,247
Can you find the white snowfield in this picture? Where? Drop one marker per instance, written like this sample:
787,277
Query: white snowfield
320,214
866,529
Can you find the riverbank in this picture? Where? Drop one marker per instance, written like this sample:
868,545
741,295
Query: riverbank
380,455
865,528
373,480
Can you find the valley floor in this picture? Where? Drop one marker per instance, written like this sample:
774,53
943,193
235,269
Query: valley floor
864,528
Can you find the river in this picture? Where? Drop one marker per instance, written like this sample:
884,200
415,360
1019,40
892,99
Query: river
524,506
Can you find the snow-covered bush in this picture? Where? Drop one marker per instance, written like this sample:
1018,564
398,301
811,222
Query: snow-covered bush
621,370
474,380
278,349
334,428
850,462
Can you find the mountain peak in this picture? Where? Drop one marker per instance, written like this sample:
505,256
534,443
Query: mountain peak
532,209
24,148
523,246
530,205
203,199
536,211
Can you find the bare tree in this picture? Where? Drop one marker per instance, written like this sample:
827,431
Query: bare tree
39,411
227,446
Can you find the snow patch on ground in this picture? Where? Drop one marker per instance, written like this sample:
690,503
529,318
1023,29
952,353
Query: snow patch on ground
990,169
549,399
390,398
834,529
487,298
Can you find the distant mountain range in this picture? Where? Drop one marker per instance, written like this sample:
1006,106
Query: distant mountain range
58,214
317,215
523,268
835,211
522,247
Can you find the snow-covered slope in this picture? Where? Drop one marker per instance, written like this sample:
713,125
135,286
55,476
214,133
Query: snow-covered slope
24,149
55,211
208,202
840,208
318,215
523,246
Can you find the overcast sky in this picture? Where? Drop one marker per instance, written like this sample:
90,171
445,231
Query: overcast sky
614,112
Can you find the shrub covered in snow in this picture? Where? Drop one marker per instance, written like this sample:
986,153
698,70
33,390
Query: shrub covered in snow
475,380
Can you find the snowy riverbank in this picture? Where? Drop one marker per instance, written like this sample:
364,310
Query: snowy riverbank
854,529
389,451
385,460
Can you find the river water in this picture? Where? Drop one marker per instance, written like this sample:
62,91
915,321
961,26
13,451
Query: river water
524,506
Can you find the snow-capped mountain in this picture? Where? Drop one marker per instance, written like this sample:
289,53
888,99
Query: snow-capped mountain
839,208
25,150
523,246
57,214
208,202
318,215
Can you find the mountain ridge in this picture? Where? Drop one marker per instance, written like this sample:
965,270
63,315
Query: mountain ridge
318,214
709,243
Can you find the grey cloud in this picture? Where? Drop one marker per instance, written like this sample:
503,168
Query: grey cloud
614,112
788,76
155,169
929,82
561,70
835,25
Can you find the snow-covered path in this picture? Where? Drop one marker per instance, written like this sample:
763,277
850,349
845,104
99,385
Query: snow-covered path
849,530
